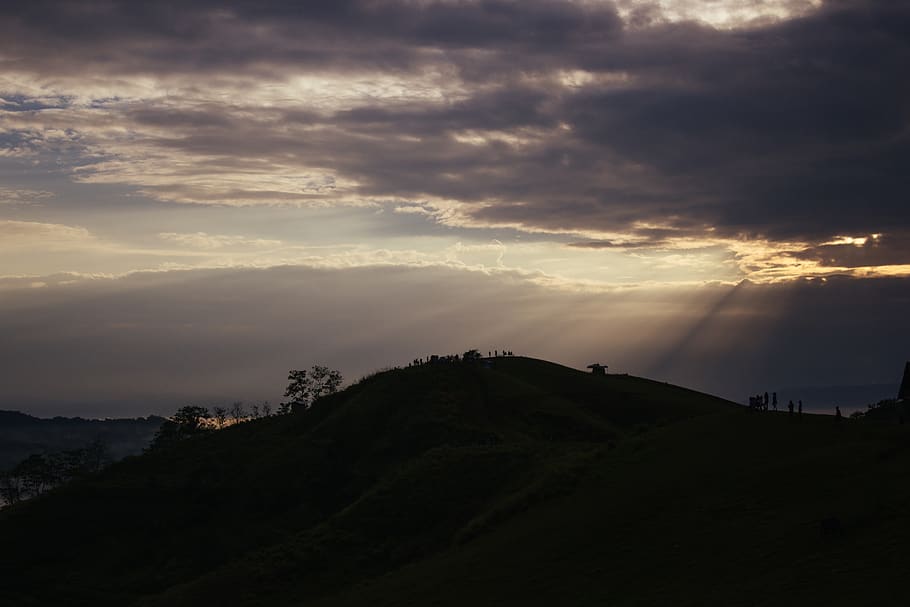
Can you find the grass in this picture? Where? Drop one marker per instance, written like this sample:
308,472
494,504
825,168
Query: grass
723,509
527,483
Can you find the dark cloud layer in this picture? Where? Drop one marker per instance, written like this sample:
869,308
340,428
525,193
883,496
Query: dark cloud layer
794,129
463,24
155,341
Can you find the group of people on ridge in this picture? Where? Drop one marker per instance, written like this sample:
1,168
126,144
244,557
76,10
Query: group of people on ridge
760,402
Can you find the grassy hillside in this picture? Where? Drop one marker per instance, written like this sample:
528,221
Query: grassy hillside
524,483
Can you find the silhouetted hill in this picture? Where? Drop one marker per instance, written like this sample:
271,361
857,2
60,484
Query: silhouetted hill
22,435
527,483
15,419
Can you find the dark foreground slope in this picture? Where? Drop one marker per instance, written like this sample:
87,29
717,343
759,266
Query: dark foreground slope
527,483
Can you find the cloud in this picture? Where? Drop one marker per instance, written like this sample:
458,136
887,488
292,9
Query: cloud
154,341
861,251
210,35
578,181
201,240
23,196
578,118
724,14
32,234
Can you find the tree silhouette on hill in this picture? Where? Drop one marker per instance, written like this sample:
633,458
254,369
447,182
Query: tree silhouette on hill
188,421
306,387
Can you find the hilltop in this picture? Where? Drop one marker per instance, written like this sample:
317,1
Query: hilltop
453,484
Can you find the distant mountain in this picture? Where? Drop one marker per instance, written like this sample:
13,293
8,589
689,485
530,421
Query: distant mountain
22,435
510,482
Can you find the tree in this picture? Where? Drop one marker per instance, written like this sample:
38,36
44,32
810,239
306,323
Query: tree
96,456
36,474
306,387
238,412
187,422
10,488
192,419
220,414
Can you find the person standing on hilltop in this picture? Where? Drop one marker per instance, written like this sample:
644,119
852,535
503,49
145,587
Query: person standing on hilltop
837,414
903,392
790,407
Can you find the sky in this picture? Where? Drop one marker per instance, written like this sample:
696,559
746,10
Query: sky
197,196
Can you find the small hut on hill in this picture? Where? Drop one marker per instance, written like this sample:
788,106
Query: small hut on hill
598,369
